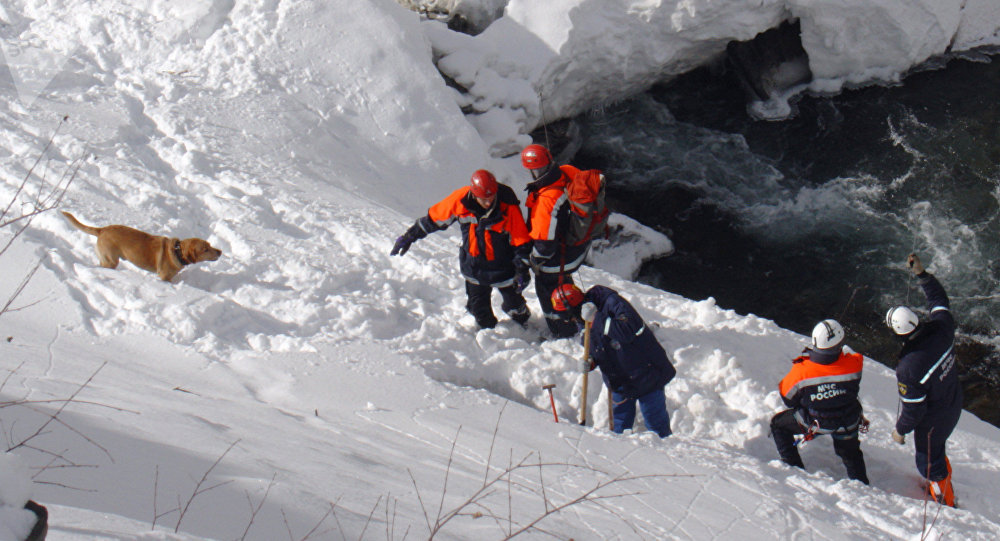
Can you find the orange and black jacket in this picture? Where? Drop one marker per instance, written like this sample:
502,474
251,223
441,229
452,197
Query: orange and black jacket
825,393
495,241
548,220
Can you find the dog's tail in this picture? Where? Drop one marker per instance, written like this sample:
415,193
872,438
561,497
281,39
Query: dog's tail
82,227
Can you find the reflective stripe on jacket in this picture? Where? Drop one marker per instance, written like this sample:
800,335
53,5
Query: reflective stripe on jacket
825,393
492,239
548,209
926,375
632,361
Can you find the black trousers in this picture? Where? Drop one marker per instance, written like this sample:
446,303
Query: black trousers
480,304
784,427
929,439
545,284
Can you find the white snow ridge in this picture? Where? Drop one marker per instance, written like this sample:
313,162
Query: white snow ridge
308,386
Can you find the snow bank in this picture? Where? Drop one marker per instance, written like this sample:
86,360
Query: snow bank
860,41
548,60
15,490
629,245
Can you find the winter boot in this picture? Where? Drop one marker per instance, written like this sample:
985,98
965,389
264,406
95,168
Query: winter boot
942,491
520,314
486,321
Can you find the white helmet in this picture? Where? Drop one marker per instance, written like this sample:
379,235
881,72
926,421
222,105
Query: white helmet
827,334
901,320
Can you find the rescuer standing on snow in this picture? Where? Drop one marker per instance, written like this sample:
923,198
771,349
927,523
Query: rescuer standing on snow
927,379
495,245
633,363
553,258
821,390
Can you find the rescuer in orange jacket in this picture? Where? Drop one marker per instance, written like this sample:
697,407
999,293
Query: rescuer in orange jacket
495,245
821,390
552,258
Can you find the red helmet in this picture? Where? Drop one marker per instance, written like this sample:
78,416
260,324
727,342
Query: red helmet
535,157
484,184
565,297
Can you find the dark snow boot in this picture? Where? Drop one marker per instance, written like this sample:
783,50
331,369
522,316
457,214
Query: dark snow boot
520,315
41,528
514,305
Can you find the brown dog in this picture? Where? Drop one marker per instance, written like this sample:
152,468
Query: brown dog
164,256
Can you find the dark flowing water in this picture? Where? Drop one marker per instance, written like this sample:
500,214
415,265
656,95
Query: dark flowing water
812,217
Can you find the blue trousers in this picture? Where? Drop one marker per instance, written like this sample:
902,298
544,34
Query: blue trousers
654,411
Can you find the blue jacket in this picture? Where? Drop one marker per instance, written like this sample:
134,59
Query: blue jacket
631,360
926,374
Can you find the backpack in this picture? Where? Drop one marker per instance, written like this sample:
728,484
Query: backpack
588,216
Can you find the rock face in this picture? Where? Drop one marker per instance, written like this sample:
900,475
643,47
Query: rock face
470,17
771,63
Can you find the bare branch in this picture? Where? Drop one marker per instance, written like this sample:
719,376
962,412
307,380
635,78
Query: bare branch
156,490
55,416
510,505
585,497
68,487
198,490
255,510
493,440
423,508
20,288
10,374
541,483
337,519
87,439
287,527
370,515
63,401
444,489
32,168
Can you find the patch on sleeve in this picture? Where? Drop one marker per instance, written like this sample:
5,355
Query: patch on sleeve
902,389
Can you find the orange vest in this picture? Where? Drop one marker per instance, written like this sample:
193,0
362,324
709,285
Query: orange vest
505,218
806,374
544,204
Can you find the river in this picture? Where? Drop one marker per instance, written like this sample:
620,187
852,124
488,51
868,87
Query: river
812,217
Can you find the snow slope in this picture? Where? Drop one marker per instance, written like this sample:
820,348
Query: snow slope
307,385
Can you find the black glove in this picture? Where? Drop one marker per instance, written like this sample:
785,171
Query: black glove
521,279
413,234
402,244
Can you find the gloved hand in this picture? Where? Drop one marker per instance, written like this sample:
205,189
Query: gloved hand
402,244
588,311
898,438
586,365
521,279
913,261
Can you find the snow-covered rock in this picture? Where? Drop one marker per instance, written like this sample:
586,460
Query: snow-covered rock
15,490
548,60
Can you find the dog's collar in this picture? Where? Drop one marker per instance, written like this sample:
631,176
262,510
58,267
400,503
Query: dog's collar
177,252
